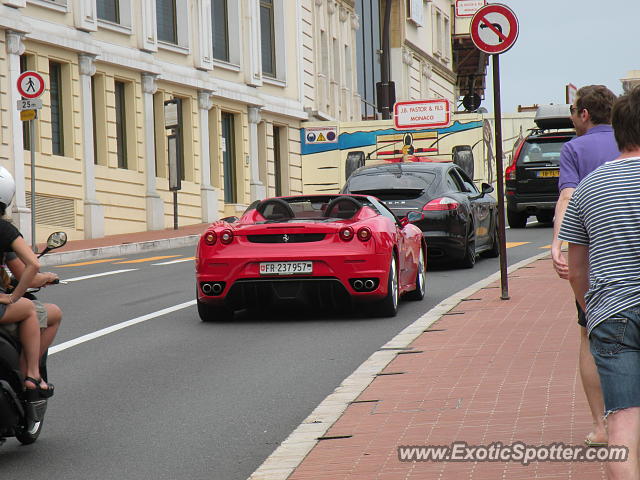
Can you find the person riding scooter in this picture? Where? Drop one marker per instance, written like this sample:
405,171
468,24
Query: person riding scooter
13,307
49,314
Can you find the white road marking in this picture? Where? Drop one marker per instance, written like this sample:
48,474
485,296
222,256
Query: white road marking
175,261
119,326
113,272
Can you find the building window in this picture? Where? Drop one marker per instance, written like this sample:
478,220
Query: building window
368,40
438,32
109,10
336,61
26,126
220,29
159,135
167,21
348,72
446,38
277,160
267,38
58,5
94,120
324,52
55,90
99,120
229,157
121,124
181,137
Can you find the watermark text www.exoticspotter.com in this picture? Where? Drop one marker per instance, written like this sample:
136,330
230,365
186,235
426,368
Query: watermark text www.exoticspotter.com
516,452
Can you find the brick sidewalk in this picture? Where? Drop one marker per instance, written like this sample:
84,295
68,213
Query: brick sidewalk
488,371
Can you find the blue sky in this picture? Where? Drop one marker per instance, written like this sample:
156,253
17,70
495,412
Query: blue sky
566,41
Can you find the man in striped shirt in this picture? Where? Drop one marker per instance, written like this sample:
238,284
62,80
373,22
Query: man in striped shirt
602,226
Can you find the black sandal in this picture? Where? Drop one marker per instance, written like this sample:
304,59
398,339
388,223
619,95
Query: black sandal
41,392
32,394
46,392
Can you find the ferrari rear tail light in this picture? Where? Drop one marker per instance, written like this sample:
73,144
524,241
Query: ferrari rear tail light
210,238
226,237
364,234
441,204
346,234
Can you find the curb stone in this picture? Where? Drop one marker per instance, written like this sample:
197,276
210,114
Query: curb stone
118,250
293,450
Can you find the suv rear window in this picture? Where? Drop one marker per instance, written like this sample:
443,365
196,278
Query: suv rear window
545,150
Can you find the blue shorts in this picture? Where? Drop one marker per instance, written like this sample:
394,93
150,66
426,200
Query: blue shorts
615,345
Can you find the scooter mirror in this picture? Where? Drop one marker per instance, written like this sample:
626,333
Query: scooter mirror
56,240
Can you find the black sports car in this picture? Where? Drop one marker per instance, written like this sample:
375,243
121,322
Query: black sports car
457,220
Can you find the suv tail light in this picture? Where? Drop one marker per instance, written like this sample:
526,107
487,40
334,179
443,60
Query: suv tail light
510,172
441,204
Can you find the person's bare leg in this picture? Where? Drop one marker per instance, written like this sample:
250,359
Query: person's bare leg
624,430
23,313
592,389
54,316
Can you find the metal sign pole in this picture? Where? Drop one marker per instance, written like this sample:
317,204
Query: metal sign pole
504,282
32,146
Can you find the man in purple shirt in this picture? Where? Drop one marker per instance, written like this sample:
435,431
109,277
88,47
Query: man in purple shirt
594,145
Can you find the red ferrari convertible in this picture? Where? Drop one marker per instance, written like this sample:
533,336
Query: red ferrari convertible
319,249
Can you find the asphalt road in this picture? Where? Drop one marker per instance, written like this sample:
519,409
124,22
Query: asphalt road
170,397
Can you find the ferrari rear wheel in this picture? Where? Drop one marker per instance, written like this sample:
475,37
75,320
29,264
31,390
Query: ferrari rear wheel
421,279
210,313
389,306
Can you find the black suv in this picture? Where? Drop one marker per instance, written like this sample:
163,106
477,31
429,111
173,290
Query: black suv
532,178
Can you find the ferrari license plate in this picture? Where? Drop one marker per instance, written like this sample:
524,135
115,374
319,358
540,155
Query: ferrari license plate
285,268
548,173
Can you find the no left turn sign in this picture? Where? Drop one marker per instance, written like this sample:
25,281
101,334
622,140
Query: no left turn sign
494,28
30,84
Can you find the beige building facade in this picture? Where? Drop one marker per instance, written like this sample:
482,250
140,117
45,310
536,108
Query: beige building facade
422,50
241,74
431,52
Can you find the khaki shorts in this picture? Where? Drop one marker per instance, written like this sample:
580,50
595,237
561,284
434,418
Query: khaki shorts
41,311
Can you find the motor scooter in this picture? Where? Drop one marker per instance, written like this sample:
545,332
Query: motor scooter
20,418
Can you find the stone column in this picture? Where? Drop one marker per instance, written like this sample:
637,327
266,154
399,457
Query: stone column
93,211
20,213
258,190
154,204
253,50
208,194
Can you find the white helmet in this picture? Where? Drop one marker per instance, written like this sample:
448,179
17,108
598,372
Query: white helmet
7,186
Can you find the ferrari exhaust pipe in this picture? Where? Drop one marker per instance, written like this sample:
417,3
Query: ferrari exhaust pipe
357,285
369,284
216,288
206,288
